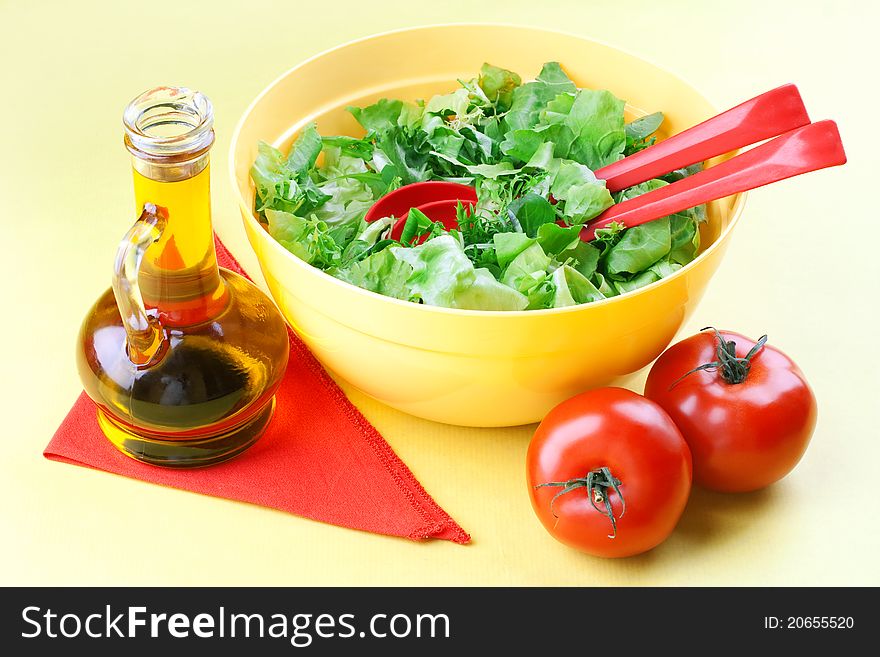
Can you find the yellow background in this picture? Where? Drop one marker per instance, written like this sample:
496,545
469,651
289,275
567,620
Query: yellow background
802,267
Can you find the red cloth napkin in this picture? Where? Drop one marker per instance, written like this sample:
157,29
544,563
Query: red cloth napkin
319,458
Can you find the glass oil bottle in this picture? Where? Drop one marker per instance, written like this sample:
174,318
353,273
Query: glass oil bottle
181,357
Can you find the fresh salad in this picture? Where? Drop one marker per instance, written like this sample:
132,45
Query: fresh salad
529,149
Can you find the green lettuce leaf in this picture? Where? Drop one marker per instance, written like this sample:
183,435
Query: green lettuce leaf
543,158
409,164
537,147
492,170
529,99
555,78
682,227
685,238
583,256
452,104
484,145
664,268
498,84
642,188
379,117
644,126
486,293
596,120
288,230
542,293
556,239
557,109
527,269
585,197
603,285
380,272
308,239
440,270
284,183
418,224
275,186
444,276
643,279
532,212
349,194
573,288
639,131
371,232
522,144
351,146
509,245
639,248
305,150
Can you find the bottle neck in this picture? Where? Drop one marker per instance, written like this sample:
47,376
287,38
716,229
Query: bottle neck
168,133
179,274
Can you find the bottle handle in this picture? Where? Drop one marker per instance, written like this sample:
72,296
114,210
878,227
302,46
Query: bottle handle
145,335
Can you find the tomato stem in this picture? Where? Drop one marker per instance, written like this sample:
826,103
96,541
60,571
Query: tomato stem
597,482
733,370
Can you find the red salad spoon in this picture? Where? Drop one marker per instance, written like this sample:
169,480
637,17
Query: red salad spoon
772,113
809,148
437,199
398,202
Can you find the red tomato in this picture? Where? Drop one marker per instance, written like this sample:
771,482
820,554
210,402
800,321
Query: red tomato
747,415
609,473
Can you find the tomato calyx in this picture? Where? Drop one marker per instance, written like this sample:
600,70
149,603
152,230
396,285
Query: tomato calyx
732,368
597,482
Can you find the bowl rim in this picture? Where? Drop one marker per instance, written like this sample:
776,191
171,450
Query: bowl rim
249,217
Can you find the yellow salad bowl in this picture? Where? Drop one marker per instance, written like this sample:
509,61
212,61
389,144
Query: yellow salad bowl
476,368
